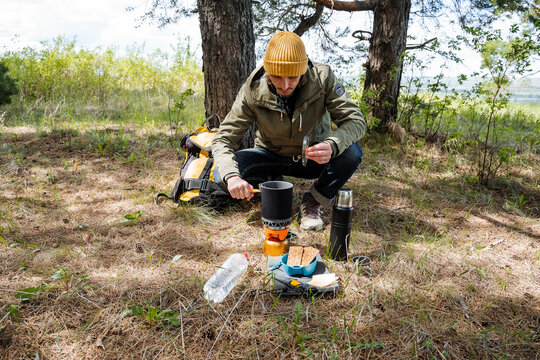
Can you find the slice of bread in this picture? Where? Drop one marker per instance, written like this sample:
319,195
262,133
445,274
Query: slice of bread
295,255
299,255
308,255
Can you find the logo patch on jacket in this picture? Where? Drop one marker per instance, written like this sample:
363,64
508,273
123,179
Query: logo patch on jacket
340,90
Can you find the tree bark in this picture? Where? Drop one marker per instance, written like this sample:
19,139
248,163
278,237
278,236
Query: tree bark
384,67
309,22
361,5
228,47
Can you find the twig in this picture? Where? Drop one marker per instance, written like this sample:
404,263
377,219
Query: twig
225,323
464,306
495,243
396,209
89,301
310,21
391,211
182,330
359,34
348,5
418,46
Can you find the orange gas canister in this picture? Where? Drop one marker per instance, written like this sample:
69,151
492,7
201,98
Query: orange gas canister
275,242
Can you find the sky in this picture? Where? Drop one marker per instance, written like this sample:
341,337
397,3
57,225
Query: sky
106,23
93,23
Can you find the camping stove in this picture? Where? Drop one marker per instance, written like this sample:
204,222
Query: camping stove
276,209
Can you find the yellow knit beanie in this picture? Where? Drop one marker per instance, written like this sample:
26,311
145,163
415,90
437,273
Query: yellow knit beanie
285,55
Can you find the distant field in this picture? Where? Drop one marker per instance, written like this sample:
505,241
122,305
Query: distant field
525,91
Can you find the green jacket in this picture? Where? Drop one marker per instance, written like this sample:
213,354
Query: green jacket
320,99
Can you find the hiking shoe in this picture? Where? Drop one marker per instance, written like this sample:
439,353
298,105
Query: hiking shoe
310,211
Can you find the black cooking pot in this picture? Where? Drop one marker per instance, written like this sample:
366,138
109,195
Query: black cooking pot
276,203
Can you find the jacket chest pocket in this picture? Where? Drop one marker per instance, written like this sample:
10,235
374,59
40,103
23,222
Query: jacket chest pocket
272,128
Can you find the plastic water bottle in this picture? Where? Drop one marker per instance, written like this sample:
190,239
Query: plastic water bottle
225,278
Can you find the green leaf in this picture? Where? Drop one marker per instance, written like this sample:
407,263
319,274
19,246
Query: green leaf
126,313
171,317
132,218
153,314
464,272
136,310
60,274
30,292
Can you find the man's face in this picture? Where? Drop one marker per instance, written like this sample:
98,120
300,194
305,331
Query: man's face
285,85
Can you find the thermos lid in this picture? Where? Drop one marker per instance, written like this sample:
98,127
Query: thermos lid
344,198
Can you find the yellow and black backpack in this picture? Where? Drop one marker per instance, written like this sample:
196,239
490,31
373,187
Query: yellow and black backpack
196,183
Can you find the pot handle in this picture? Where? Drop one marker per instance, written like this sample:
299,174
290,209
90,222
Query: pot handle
276,266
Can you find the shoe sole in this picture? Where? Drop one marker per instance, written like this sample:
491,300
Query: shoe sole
316,228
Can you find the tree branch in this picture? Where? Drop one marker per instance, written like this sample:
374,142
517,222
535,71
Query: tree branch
308,22
359,34
348,5
418,46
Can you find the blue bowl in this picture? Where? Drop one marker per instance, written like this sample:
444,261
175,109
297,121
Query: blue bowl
304,270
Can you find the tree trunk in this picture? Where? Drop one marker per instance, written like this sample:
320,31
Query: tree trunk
228,47
384,68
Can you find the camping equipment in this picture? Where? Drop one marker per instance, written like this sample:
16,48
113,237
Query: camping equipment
340,231
276,211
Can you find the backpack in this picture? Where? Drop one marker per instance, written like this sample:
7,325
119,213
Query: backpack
196,182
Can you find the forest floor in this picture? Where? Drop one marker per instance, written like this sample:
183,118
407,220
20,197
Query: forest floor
109,274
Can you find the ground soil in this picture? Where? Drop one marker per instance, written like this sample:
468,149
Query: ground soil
455,268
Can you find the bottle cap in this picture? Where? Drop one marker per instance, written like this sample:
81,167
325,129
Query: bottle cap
344,198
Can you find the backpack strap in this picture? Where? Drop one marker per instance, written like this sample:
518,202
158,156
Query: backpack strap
159,196
203,183
175,195
206,122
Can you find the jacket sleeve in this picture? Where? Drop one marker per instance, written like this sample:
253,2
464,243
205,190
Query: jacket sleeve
230,134
351,125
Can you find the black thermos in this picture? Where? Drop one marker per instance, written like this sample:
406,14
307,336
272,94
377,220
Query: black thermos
340,231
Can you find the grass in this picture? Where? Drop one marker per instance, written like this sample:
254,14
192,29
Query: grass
455,265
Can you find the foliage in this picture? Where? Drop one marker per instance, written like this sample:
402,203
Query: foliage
152,315
28,293
132,219
527,10
270,16
164,12
503,59
68,279
61,80
8,85
12,312
179,106
480,122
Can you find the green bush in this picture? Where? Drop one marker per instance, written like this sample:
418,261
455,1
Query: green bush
62,80
8,85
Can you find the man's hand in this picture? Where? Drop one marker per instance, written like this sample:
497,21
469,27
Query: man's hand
239,188
320,153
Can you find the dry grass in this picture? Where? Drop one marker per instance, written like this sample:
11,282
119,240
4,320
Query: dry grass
456,267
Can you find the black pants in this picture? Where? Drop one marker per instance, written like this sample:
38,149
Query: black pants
257,165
